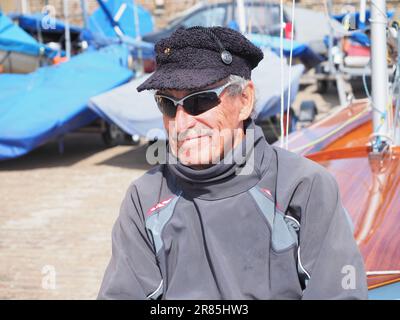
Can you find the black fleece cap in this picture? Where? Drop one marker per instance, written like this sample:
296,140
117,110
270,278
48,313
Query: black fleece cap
197,57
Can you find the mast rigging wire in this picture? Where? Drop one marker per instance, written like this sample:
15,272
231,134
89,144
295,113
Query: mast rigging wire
290,78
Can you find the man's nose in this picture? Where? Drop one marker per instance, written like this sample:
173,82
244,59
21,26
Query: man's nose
183,120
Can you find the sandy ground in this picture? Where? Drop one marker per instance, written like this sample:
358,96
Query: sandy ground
57,212
56,217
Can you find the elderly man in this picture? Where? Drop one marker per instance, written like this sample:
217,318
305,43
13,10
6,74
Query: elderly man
228,219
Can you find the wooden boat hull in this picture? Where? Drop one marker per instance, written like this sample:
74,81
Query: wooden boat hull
369,186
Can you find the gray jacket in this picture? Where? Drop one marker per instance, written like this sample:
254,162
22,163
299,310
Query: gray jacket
214,234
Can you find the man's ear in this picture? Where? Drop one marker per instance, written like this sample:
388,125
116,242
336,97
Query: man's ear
247,99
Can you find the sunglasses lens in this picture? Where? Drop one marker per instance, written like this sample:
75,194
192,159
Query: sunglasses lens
166,106
201,102
194,105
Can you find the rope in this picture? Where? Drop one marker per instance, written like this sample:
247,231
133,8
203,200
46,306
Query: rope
282,70
290,79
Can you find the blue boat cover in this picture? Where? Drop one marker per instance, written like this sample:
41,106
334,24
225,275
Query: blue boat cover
267,41
15,39
123,12
361,38
300,50
356,15
137,113
44,105
101,32
33,23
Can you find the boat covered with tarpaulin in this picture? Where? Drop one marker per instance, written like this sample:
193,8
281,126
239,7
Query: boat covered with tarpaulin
137,114
48,103
15,39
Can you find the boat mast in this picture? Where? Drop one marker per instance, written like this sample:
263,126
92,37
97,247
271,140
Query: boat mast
363,4
25,7
138,35
330,42
241,15
67,31
84,14
379,74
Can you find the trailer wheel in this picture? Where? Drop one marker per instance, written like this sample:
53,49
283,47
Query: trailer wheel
322,86
308,111
113,136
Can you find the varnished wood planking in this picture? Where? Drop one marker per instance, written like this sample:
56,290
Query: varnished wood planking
330,128
369,190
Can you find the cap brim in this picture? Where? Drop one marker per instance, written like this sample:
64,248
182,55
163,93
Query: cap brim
182,79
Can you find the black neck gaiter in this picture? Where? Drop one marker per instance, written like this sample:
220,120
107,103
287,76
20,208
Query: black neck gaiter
240,170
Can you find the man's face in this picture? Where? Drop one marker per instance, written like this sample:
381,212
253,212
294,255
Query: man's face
201,140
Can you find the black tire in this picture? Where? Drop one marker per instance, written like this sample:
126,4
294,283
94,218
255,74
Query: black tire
308,111
113,136
293,120
322,86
